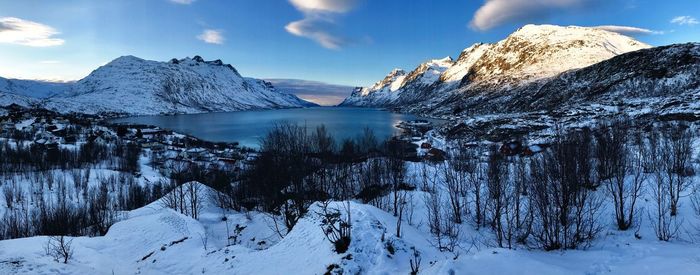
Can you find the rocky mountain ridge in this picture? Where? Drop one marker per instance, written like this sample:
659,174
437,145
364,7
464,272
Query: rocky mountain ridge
134,86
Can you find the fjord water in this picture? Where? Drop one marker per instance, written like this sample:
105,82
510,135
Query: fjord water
247,127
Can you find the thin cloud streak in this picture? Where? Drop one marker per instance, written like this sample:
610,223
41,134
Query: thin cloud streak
318,18
498,12
28,33
182,2
629,31
685,20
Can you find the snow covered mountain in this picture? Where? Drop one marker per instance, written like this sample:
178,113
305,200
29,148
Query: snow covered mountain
29,92
392,87
136,86
657,84
314,91
33,88
130,85
532,53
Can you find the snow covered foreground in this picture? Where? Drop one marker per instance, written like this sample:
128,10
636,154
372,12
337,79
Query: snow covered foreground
158,240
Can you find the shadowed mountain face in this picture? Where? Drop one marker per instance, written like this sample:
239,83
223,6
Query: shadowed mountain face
314,91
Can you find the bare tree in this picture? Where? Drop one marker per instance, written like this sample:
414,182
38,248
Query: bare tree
60,248
679,145
400,211
615,161
440,221
510,212
395,173
520,212
9,194
475,179
415,261
454,174
498,199
433,204
185,198
195,197
100,209
566,210
666,226
322,141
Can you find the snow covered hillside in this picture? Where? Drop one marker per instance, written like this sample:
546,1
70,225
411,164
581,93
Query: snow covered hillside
33,88
534,52
392,87
29,92
649,85
158,240
125,200
130,85
25,101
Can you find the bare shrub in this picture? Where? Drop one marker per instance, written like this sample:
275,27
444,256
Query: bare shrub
336,227
615,161
414,261
60,248
566,210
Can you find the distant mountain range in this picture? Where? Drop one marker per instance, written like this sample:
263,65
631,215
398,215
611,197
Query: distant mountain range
541,76
134,86
314,91
531,54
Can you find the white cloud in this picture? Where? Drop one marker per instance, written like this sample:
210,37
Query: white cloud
318,19
212,37
182,2
27,33
337,6
497,12
685,20
627,30
309,28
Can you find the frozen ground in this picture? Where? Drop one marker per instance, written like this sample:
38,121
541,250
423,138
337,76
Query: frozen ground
158,240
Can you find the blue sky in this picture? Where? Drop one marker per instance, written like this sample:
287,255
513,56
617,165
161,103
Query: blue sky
349,42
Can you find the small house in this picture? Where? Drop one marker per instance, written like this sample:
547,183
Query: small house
511,148
435,154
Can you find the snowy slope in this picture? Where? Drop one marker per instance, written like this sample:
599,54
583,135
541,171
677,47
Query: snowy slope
534,52
158,240
136,86
130,85
464,63
25,101
540,51
33,88
397,82
660,83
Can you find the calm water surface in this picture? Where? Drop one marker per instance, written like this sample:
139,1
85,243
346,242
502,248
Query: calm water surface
248,127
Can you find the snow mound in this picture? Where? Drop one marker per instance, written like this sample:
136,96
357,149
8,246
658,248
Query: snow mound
307,251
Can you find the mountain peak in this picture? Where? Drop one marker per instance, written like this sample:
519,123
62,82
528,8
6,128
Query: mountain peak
133,85
532,53
396,71
444,60
583,36
126,59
